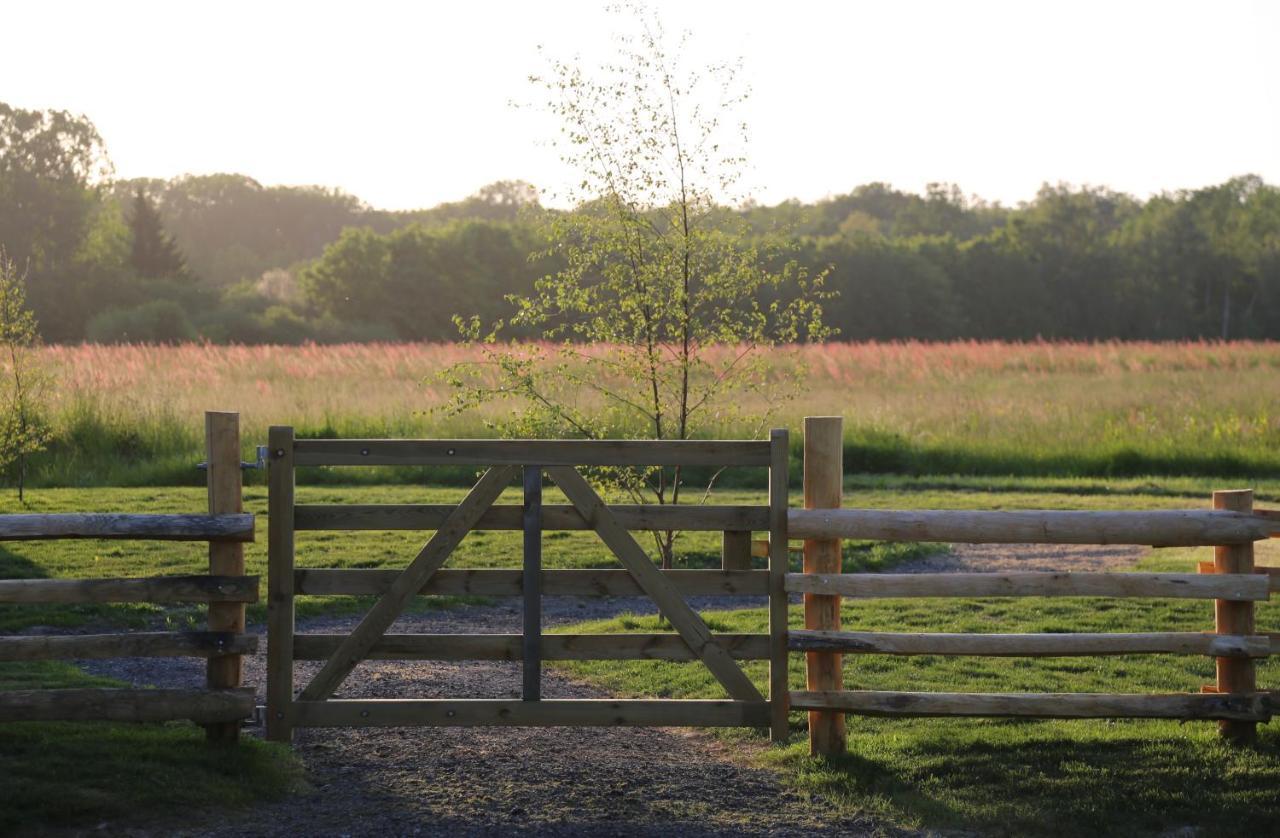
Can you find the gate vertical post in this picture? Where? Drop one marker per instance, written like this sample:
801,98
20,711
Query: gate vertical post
280,623
823,487
779,475
532,583
1235,675
735,550
226,558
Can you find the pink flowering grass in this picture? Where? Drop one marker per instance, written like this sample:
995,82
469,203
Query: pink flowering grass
979,406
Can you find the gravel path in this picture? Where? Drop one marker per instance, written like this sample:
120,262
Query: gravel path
558,781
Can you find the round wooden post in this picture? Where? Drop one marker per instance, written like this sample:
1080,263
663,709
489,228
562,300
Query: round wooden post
823,486
1235,675
226,558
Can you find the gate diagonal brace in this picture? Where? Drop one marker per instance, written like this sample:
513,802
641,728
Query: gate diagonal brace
388,608
684,619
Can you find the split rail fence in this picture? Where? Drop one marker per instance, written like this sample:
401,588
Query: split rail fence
222,704
1232,581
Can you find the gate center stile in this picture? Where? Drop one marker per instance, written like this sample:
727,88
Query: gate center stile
531,583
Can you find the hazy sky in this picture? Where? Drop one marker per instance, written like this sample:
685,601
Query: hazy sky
407,104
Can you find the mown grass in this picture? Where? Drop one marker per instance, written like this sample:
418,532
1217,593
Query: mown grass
1013,777
71,774
1001,777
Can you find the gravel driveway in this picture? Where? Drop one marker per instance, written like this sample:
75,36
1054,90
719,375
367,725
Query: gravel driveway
537,781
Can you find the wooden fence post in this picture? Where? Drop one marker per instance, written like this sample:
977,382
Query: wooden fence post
823,486
280,624
1235,675
226,558
735,550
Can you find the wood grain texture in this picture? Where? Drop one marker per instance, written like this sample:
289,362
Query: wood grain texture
550,713
118,525
1162,585
684,619
125,705
1034,645
531,658
157,644
138,589
779,499
226,558
391,604
280,590
735,550
1253,707
522,452
1162,528
497,582
1235,617
386,516
823,489
508,647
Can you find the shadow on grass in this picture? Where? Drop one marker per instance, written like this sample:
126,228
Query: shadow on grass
1054,778
71,774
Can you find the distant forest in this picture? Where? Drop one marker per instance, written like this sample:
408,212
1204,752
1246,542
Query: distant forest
226,259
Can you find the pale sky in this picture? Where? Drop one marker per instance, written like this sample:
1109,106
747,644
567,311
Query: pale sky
408,104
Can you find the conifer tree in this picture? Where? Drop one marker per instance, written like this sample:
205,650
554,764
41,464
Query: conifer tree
154,254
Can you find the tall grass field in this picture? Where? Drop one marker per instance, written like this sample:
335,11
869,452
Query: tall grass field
131,415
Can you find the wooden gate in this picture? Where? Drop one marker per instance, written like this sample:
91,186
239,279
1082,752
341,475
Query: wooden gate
505,460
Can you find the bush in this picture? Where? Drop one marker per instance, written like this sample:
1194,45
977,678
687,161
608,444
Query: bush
159,321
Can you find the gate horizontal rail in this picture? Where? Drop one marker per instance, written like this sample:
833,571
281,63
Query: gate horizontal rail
372,581
454,647
544,713
520,452
509,517
558,459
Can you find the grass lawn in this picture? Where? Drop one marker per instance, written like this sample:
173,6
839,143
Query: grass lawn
67,774
1014,776
1005,777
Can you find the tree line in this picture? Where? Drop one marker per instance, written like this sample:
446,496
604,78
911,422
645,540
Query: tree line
226,259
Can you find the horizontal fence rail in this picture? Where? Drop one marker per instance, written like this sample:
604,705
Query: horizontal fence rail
222,705
126,705
1253,707
1030,645
371,582
545,713
1161,528
452,647
147,527
158,589
1251,587
161,644
554,517
439,452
